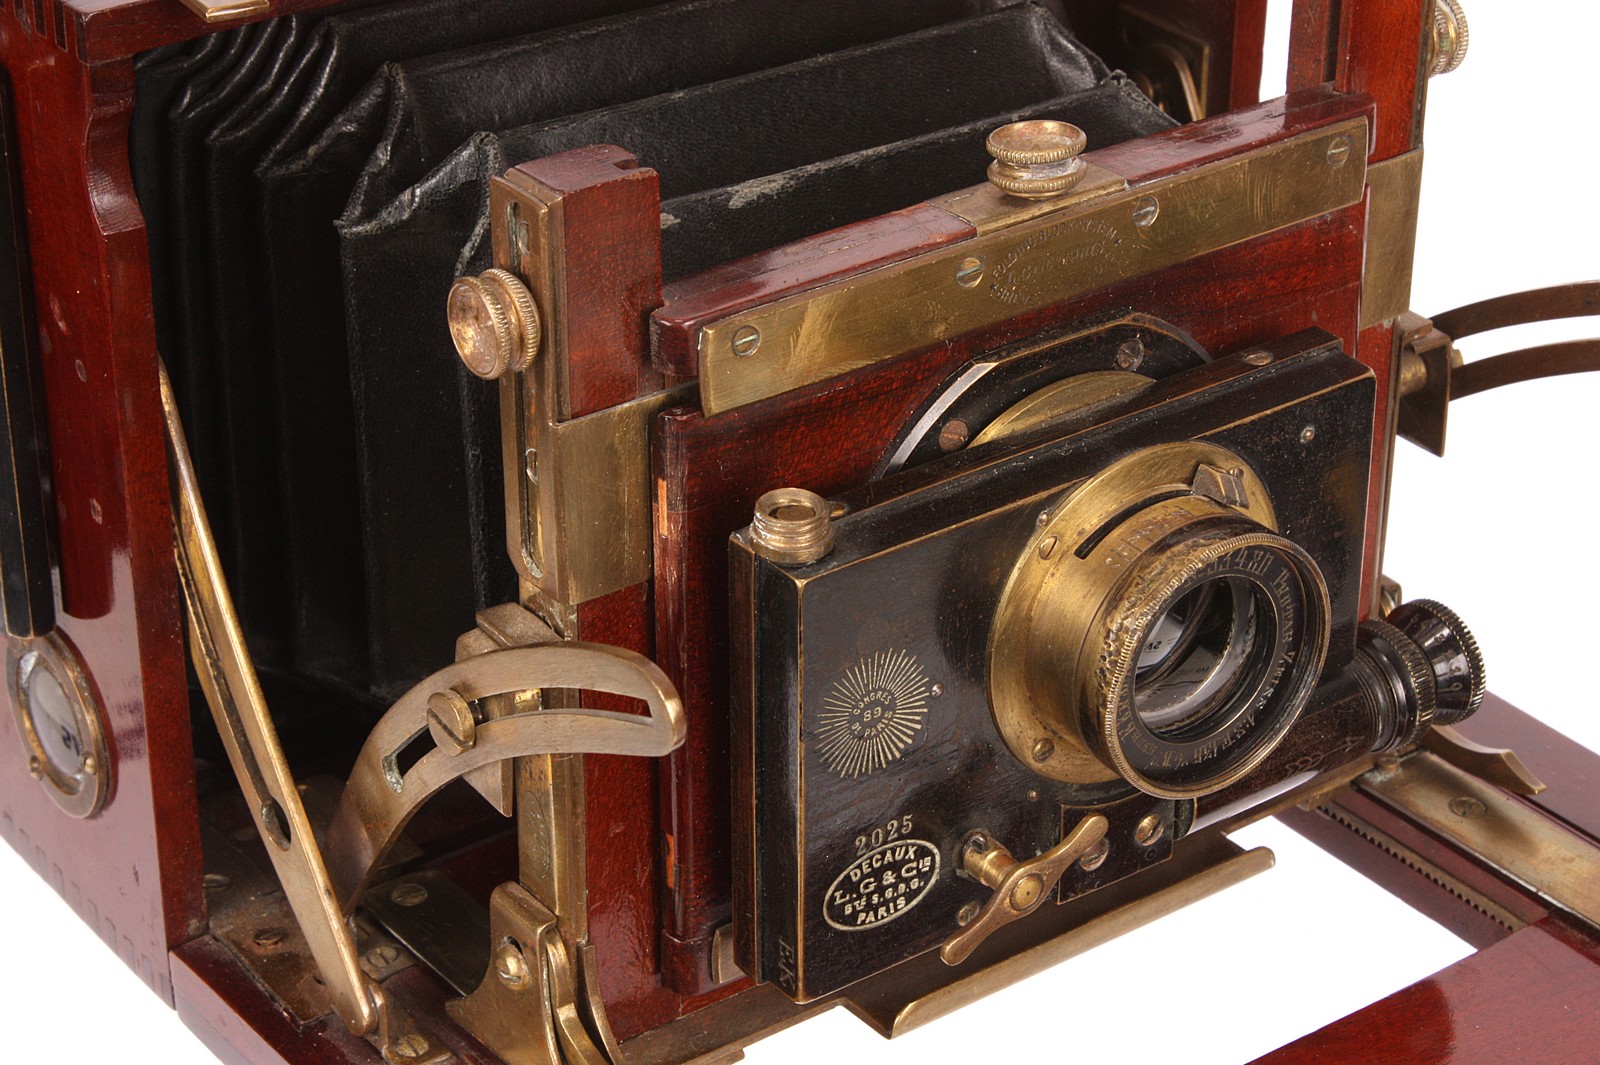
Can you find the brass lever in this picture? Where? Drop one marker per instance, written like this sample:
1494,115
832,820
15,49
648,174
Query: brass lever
1019,887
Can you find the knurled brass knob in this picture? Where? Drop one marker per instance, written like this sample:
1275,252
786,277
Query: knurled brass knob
1036,159
1450,37
494,323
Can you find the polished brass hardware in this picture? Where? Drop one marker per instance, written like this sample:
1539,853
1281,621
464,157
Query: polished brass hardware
1523,845
61,722
1447,44
527,1007
1019,886
1495,765
1070,395
724,968
228,678
381,798
791,527
494,323
214,12
1427,360
1061,731
1036,159
578,492
1393,189
1050,255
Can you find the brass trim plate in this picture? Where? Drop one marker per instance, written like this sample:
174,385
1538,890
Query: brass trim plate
1083,246
1555,863
215,12
1393,188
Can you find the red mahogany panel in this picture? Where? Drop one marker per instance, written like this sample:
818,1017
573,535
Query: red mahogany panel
133,872
1533,997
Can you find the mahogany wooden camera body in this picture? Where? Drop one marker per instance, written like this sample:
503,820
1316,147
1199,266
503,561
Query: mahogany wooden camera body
855,583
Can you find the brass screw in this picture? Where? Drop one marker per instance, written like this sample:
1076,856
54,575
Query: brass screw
1468,807
1047,546
967,914
1339,152
450,722
936,691
1308,434
1036,159
1043,749
35,767
1145,211
511,966
216,882
969,272
1258,358
1150,829
381,957
409,1047
408,894
954,434
1096,856
746,341
1130,354
1447,44
494,323
268,938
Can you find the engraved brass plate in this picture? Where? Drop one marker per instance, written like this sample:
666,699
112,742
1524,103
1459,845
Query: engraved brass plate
1084,246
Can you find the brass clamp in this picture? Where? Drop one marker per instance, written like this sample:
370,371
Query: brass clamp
1019,887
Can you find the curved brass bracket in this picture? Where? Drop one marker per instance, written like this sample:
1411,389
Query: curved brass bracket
380,799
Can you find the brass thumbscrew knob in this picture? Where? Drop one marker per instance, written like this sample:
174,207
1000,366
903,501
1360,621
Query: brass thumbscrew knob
1447,44
1036,159
1019,887
494,323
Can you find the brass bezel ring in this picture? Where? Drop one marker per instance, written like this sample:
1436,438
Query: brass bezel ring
1043,648
81,794
1286,582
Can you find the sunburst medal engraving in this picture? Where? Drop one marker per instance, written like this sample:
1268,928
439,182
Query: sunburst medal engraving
872,714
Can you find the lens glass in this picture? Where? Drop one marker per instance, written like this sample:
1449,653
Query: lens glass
1198,658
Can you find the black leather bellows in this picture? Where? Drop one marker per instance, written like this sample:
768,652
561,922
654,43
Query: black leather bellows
341,185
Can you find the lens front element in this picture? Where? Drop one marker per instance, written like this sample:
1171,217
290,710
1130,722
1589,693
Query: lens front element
1169,639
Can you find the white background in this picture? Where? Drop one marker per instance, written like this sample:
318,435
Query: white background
1502,530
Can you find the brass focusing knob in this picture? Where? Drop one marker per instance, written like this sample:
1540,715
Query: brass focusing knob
1036,159
1447,45
1019,887
494,323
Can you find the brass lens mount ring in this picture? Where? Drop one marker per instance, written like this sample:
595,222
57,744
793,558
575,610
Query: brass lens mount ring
1169,528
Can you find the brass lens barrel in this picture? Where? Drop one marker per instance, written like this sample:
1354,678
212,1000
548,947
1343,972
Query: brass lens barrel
1172,643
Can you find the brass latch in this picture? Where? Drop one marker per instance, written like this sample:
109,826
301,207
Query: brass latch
1019,887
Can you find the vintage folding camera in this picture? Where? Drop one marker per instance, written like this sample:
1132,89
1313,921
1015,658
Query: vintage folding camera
580,531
